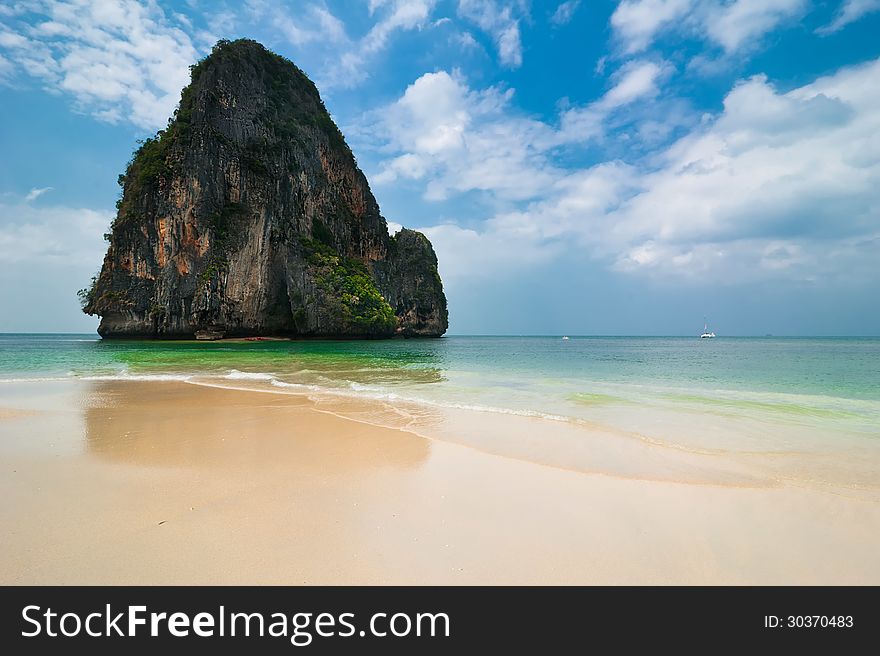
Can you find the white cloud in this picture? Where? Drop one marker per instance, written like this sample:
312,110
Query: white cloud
460,140
56,234
465,41
402,15
850,11
115,58
343,59
637,22
634,81
637,80
36,192
464,254
733,25
501,21
737,24
778,184
778,181
565,12
456,139
453,139
48,253
313,24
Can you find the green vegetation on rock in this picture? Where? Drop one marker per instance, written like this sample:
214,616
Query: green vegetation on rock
347,280
93,303
87,294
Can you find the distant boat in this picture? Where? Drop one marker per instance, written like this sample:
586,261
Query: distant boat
565,337
706,334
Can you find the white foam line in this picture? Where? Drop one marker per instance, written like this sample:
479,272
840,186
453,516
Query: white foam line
320,393
316,393
235,374
359,392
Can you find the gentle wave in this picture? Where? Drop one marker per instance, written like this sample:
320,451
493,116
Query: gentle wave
360,391
280,383
235,374
392,397
793,405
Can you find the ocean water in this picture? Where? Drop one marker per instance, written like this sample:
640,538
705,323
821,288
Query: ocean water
776,395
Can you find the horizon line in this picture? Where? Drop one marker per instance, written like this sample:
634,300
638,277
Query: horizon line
558,335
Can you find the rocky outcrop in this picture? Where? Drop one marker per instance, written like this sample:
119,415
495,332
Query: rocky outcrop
412,284
248,215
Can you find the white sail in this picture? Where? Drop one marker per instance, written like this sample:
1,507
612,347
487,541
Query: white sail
706,334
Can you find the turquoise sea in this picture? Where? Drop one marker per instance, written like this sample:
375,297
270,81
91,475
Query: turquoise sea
729,394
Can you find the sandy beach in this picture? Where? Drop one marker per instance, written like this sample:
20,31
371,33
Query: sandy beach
125,482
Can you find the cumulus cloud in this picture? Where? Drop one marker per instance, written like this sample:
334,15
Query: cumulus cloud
460,140
117,59
732,25
849,12
456,139
127,60
502,22
777,181
776,184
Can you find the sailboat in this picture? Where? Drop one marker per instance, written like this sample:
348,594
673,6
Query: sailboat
706,334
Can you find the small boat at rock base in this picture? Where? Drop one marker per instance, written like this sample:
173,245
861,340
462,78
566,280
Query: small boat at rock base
209,334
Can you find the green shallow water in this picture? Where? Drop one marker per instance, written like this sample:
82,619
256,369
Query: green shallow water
828,385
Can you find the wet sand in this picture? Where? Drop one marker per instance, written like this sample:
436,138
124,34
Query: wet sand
125,482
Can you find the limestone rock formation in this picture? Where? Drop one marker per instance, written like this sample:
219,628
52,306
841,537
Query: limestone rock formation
248,215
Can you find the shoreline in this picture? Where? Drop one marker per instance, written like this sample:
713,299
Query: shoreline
127,482
601,446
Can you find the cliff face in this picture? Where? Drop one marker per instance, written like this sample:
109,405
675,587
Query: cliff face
248,215
412,284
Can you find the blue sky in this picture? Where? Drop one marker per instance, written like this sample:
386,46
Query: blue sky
582,167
